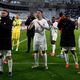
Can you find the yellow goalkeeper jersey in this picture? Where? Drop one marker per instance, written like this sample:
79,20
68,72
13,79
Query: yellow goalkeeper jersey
17,25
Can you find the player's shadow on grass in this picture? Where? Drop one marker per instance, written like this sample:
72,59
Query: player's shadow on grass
40,68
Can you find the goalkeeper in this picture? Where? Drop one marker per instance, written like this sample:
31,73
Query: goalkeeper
16,32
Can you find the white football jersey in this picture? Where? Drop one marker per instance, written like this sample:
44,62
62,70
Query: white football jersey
39,37
53,31
54,28
79,22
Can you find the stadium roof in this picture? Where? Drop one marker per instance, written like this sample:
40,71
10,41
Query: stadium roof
26,4
40,0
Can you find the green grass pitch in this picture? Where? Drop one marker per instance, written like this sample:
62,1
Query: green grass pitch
22,64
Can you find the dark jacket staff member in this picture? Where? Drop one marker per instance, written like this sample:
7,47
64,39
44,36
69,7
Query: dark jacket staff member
30,31
5,40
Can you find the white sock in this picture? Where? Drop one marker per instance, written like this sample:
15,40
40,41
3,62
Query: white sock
75,58
1,65
10,65
53,48
66,58
36,58
45,59
16,49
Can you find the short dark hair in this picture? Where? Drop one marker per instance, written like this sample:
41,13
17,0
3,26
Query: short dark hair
61,14
6,10
40,11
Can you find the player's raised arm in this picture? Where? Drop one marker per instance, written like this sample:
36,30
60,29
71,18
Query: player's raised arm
31,25
45,25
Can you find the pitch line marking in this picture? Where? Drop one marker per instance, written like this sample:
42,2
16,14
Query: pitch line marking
21,41
41,63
